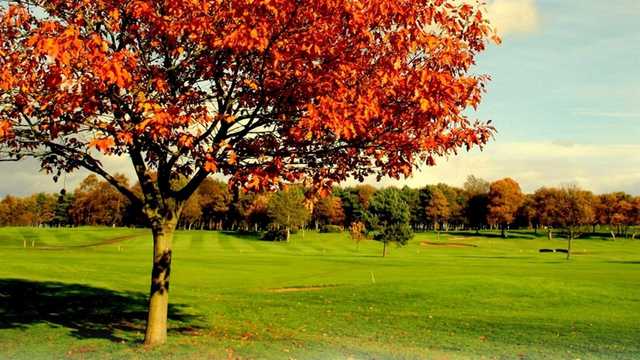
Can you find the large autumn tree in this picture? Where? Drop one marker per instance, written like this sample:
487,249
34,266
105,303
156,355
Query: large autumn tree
505,198
263,91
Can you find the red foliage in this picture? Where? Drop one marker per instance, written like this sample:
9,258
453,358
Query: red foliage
262,91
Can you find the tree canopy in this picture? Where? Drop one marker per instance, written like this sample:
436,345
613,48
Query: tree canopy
388,218
505,197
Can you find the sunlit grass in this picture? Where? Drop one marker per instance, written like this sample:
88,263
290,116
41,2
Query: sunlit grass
500,299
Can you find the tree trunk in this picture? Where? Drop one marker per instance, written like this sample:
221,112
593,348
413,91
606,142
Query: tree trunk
503,233
156,332
549,234
569,244
384,249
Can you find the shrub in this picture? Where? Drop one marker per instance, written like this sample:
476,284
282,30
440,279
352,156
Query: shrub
275,235
331,229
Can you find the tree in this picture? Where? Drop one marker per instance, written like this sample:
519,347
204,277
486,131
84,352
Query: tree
635,213
547,203
457,199
98,203
215,200
412,198
252,209
615,210
505,197
357,232
328,211
526,214
43,206
365,193
577,211
388,218
351,206
8,209
476,186
438,210
192,211
287,209
264,92
61,211
475,209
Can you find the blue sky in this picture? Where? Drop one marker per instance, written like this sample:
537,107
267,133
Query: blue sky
574,77
565,98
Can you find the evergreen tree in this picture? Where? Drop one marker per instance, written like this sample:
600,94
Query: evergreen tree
388,218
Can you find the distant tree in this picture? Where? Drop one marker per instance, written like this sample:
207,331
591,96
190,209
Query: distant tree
388,218
286,209
577,212
251,209
456,199
365,193
97,202
412,198
191,212
22,213
438,210
476,186
9,207
635,214
328,211
526,214
43,208
547,203
616,211
5,211
61,211
357,231
351,205
477,201
215,201
505,197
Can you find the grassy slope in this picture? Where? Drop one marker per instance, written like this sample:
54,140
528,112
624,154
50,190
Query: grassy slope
502,299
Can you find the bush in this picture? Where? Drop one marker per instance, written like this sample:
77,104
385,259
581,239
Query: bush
275,235
331,229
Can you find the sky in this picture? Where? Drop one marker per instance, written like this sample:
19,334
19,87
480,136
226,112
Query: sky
564,97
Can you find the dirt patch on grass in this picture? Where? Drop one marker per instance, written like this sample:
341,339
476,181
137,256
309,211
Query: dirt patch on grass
301,288
448,244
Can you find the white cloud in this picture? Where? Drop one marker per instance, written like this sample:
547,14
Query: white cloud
600,168
514,16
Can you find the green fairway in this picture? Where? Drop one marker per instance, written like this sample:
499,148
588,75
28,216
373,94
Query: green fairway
81,293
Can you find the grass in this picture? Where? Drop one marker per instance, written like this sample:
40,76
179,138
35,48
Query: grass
319,297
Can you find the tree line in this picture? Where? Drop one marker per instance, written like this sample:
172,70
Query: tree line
478,205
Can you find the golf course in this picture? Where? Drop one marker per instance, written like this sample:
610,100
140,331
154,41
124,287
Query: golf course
83,293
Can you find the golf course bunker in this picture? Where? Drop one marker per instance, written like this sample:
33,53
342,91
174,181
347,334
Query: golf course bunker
448,245
301,288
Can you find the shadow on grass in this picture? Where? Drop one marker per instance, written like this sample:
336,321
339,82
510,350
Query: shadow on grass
245,235
491,235
624,262
88,312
